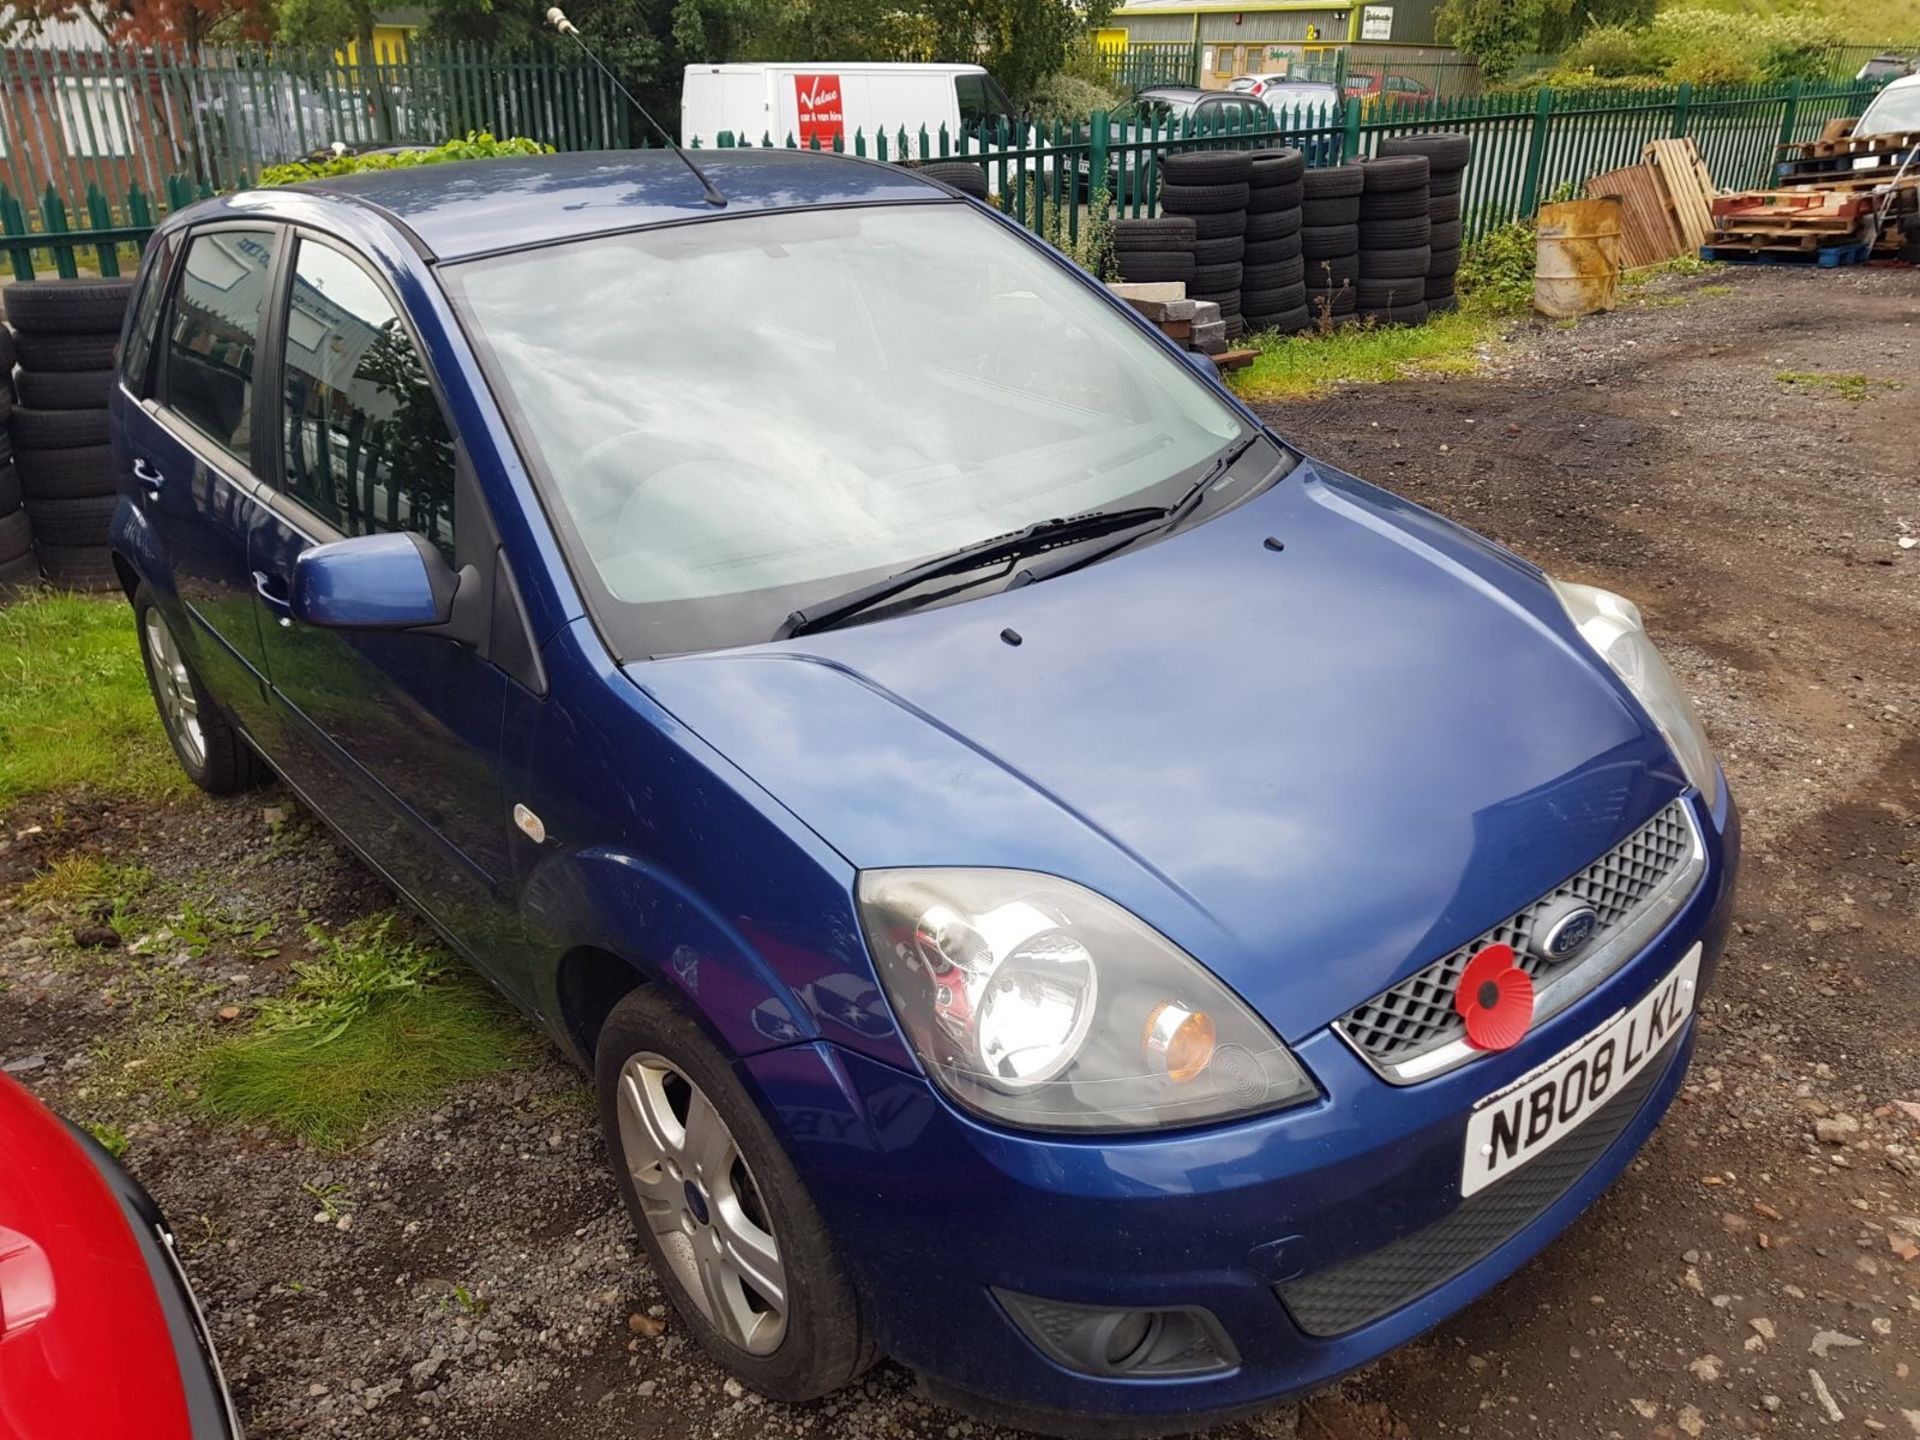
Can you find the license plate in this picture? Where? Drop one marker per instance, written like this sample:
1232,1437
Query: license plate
1529,1117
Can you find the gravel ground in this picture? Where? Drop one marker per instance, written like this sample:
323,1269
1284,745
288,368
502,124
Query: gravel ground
468,1273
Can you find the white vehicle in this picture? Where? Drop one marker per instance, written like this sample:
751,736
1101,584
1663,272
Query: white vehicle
826,100
1894,111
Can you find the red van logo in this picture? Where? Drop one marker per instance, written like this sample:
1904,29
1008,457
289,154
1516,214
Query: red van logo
821,116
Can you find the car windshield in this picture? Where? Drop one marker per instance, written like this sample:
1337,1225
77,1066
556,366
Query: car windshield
1895,112
742,416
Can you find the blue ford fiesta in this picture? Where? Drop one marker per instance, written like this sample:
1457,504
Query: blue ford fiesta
1053,885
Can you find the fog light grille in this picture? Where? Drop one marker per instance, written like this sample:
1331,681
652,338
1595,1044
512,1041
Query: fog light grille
1116,1342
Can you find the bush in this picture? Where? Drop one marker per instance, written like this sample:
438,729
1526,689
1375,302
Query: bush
1068,98
478,145
1608,52
1709,47
1496,271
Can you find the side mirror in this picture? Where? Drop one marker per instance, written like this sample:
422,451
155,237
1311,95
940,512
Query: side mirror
373,582
1203,363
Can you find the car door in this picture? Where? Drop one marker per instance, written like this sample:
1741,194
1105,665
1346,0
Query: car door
394,736
191,436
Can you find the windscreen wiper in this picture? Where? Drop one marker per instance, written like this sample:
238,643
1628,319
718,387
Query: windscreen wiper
1039,536
1170,519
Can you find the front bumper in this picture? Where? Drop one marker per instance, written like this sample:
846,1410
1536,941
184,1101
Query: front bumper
931,1209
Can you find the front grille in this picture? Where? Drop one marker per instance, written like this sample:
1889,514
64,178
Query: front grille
1626,885
1347,1296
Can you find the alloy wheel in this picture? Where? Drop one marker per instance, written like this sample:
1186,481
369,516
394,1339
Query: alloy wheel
173,687
701,1203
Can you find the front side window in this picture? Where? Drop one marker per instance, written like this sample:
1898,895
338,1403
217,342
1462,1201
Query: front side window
880,384
980,101
367,447
212,331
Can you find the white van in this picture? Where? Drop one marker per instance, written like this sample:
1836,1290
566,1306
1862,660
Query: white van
825,100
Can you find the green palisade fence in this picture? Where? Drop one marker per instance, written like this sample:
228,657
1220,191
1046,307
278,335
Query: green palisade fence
1527,148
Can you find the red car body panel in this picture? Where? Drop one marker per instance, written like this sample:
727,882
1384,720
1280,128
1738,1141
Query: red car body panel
85,1349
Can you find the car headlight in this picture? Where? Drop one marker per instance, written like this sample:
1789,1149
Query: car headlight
1034,1001
1611,624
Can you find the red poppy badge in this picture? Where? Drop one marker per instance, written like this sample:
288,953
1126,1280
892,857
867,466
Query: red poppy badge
1495,998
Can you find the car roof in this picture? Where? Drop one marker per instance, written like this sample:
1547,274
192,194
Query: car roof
461,209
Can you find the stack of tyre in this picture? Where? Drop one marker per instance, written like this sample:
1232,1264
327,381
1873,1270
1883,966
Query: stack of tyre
1396,234
1447,157
17,565
1273,291
1147,252
64,332
1330,242
1211,188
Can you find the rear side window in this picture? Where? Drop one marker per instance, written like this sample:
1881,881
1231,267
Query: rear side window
212,331
135,358
367,447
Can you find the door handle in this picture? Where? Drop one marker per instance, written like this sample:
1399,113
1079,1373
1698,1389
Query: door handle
272,590
149,479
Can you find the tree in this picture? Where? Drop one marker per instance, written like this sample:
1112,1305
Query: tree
649,42
145,23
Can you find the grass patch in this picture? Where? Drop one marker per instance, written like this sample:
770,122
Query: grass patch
1852,388
1298,365
376,1023
74,706
87,885
1495,283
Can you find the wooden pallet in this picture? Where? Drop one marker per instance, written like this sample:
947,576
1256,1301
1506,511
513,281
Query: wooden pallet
1813,207
1689,188
1826,257
1850,146
1649,232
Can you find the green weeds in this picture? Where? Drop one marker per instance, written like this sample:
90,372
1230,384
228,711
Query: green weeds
1853,388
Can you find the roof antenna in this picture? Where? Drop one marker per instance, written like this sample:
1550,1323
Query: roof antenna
557,18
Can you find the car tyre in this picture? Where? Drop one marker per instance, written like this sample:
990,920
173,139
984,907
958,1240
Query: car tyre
9,488
1395,205
34,428
1282,165
1444,152
1444,206
66,353
1266,198
1317,242
1150,267
1181,199
1388,173
1192,169
68,307
1333,182
1173,232
207,744
65,389
1334,210
1230,251
1411,263
1215,279
1396,234
678,1123
1272,252
64,474
961,175
76,521
1220,226
1272,277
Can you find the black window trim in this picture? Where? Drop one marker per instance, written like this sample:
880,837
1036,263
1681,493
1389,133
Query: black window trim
210,452
273,478
476,538
159,281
